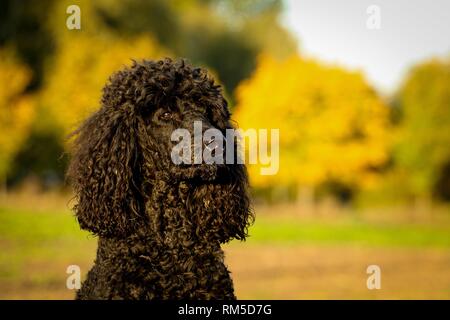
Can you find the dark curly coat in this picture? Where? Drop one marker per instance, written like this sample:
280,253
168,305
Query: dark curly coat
159,225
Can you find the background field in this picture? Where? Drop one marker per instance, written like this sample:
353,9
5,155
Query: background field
290,254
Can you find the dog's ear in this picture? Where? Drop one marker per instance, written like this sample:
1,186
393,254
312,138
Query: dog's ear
106,175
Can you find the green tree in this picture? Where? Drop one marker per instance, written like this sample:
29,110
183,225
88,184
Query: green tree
224,35
23,27
422,151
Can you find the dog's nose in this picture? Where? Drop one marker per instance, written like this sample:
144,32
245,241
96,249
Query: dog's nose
212,143
209,142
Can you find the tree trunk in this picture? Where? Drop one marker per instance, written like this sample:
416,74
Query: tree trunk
305,200
3,188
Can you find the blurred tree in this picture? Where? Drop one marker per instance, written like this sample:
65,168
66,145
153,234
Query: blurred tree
227,35
267,34
422,153
129,18
41,157
333,127
79,71
16,109
259,22
23,27
224,35
30,28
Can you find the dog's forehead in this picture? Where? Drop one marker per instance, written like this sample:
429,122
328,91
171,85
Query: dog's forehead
170,85
185,106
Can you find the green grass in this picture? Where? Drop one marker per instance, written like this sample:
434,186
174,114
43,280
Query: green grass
38,226
352,232
28,228
29,240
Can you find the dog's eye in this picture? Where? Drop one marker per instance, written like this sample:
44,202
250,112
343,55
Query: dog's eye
166,116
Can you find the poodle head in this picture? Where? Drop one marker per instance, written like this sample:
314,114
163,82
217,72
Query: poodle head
162,124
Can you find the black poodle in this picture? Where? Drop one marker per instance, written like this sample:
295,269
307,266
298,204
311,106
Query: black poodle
159,224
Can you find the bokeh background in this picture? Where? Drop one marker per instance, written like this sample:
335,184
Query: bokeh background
364,119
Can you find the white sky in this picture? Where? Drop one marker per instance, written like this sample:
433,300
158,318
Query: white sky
335,32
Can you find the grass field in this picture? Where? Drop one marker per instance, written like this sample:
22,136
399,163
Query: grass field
286,256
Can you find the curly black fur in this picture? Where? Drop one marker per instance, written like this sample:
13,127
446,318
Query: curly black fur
160,225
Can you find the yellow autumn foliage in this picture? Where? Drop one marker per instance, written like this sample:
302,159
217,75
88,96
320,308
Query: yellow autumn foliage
332,125
81,68
16,109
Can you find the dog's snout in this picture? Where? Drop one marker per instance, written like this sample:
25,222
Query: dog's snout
210,141
213,141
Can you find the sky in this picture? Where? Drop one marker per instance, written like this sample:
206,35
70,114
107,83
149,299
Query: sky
336,32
